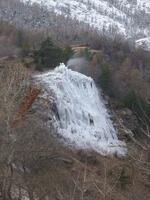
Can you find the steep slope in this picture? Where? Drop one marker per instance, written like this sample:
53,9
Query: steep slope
128,18
94,13
80,115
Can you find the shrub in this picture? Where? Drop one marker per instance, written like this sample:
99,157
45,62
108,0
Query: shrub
124,178
85,53
105,76
49,55
138,105
67,54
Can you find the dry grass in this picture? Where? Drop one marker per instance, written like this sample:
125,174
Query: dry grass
89,176
33,163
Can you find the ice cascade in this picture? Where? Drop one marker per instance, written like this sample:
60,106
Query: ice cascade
82,118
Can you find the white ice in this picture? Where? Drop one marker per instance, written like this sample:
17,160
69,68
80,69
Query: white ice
83,121
143,43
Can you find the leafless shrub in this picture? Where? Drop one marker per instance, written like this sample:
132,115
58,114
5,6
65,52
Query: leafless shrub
13,79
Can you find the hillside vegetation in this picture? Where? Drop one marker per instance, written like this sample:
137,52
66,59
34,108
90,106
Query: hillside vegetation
33,163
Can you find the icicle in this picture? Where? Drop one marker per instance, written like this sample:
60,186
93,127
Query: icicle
83,119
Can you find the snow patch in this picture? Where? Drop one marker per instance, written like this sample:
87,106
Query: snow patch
144,43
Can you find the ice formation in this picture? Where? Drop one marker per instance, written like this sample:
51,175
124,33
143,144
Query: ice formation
82,118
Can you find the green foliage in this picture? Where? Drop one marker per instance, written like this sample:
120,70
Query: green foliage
124,178
105,76
85,53
50,55
131,100
67,54
138,105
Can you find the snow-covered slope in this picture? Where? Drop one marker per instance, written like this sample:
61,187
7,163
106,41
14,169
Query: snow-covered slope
91,12
144,43
122,16
129,18
80,115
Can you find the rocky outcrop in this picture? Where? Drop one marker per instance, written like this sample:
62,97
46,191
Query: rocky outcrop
128,119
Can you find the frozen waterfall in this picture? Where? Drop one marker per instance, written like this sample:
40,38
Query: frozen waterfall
82,118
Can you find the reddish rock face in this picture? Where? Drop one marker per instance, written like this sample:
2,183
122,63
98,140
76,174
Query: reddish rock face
26,104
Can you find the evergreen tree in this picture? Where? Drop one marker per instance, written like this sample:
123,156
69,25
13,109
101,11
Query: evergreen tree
48,56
